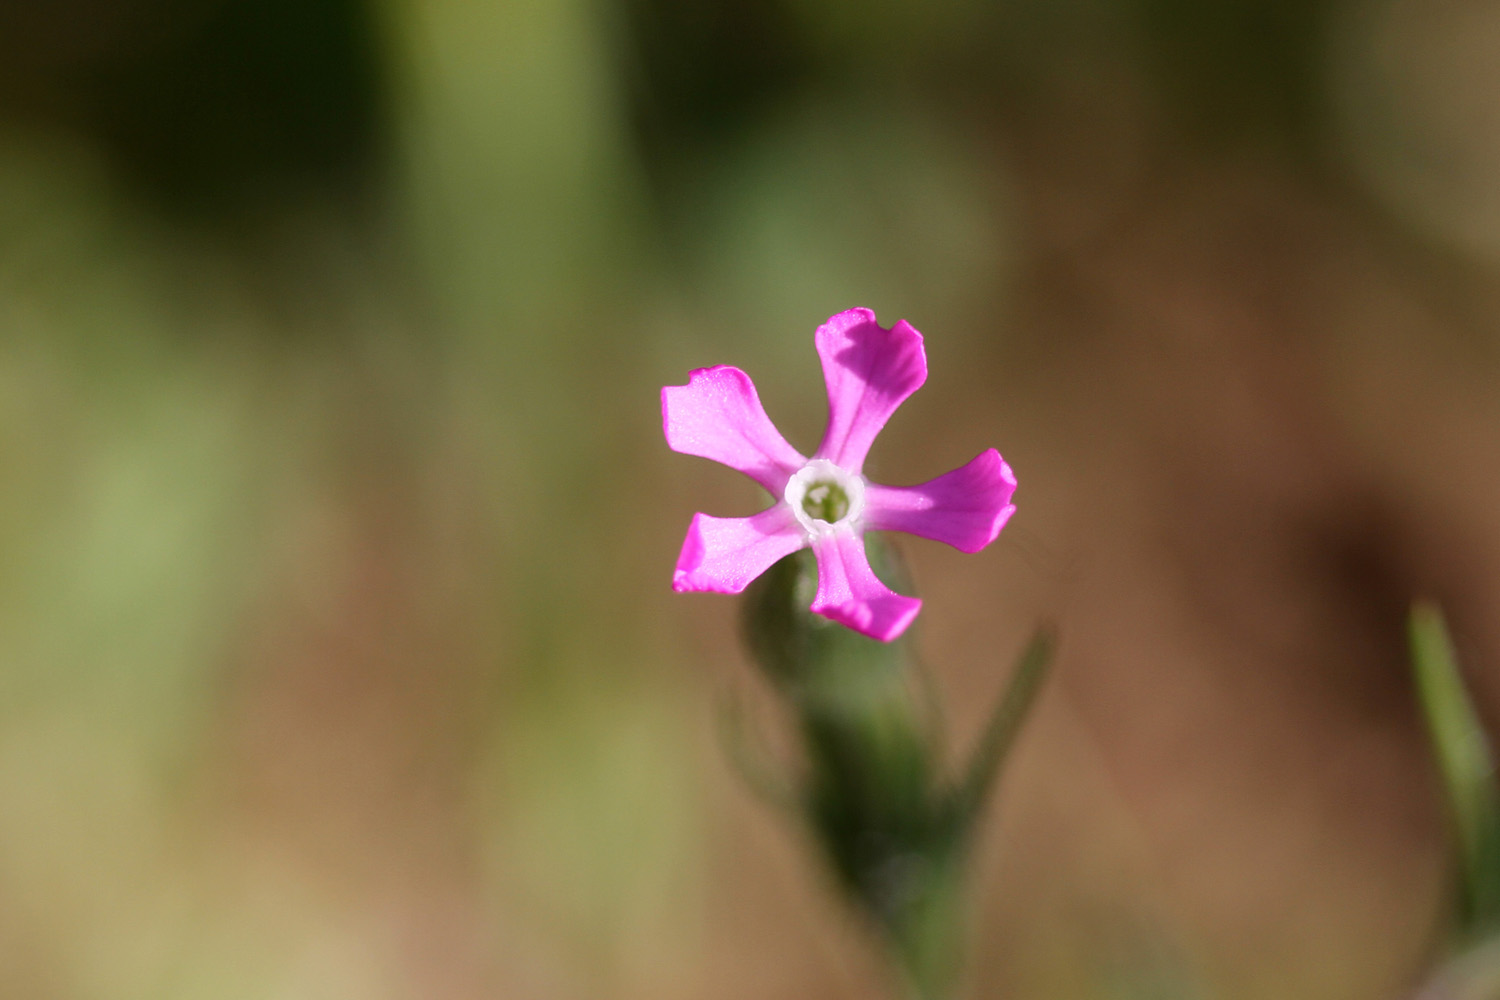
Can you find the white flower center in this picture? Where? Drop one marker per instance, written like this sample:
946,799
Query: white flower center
824,498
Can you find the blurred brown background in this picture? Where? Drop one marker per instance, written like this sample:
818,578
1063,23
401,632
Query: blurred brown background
337,653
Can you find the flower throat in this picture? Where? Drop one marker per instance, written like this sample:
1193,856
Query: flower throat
826,501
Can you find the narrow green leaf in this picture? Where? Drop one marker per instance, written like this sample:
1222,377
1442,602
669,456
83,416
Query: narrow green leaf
1466,765
1000,733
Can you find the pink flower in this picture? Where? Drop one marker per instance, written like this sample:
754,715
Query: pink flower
825,501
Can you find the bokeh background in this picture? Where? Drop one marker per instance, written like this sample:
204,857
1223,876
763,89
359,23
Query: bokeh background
337,653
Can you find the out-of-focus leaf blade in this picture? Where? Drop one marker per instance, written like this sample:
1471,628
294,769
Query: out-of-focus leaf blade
1004,724
1465,761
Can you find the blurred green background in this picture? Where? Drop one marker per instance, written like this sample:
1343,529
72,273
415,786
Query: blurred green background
337,652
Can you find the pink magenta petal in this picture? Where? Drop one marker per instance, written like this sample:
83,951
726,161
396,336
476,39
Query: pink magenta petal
718,415
869,370
965,508
723,554
850,593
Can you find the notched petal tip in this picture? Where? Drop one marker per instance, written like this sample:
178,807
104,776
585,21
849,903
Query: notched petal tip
681,403
1005,470
722,555
848,318
851,594
718,415
993,485
690,558
885,619
965,508
1002,517
869,371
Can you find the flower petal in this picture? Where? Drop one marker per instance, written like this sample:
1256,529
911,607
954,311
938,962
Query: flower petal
723,554
851,594
965,508
718,415
869,371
